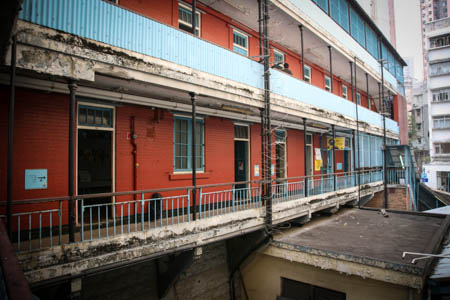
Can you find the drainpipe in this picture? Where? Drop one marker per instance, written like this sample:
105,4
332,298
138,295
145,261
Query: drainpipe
12,100
331,68
303,57
194,159
304,151
267,129
72,88
359,149
354,152
134,152
194,15
260,32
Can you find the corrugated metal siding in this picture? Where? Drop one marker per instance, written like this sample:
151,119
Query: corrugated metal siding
103,22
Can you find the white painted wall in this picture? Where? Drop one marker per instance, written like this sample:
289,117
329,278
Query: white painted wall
431,171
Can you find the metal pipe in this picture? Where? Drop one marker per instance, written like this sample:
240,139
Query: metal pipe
304,151
72,111
384,131
357,133
194,16
303,57
331,68
367,91
351,79
193,156
12,100
134,153
334,156
267,129
260,31
263,160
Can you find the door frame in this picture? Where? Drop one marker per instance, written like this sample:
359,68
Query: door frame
248,146
113,150
312,152
285,152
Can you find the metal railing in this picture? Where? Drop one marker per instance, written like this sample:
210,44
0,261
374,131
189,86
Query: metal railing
42,223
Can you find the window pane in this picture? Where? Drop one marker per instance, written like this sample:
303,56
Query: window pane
82,116
90,118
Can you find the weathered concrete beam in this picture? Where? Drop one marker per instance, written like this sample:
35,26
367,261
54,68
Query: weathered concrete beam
50,52
345,264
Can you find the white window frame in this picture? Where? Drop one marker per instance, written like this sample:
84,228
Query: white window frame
327,87
344,94
239,46
198,26
307,78
278,52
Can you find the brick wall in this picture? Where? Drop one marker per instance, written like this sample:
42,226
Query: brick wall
218,29
397,199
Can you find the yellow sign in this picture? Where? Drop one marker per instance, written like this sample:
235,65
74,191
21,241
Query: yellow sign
317,165
339,143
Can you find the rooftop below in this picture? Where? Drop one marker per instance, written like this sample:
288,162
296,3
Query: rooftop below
366,237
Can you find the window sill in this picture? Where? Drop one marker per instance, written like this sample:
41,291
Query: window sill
188,176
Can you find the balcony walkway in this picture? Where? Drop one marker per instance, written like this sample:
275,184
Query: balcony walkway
150,227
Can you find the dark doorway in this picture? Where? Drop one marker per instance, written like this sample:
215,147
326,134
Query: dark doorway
240,162
95,165
347,161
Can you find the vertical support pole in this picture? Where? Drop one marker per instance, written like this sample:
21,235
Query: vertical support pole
303,56
194,16
260,32
354,153
263,160
357,133
72,111
369,105
193,156
267,127
12,100
351,78
384,134
331,67
334,156
304,151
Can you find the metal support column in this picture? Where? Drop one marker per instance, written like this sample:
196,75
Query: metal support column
260,31
358,140
331,68
72,111
334,156
266,122
194,15
369,105
302,51
193,156
304,152
384,134
351,78
12,100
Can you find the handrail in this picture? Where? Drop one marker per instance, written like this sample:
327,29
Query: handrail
159,190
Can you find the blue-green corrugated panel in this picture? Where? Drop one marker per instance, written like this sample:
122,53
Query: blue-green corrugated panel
107,23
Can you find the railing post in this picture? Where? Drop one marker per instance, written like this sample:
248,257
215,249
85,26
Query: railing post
82,220
60,220
188,204
143,212
304,154
200,204
234,195
193,154
334,153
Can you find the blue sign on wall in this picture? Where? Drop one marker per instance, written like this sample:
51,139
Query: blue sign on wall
36,179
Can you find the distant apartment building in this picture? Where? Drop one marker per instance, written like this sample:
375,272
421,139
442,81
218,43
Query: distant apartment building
437,46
